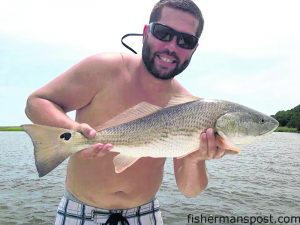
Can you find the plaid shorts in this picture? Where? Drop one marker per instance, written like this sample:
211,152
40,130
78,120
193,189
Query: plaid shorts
72,212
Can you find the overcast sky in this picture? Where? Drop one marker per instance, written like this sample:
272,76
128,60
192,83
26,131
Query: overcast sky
249,51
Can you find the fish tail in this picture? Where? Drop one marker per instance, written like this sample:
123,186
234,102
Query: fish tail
51,146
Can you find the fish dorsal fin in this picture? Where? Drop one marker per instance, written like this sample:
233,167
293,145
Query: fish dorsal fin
181,99
140,110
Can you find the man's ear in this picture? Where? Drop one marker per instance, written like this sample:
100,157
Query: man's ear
195,48
145,31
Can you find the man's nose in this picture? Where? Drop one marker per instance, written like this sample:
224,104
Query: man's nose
172,45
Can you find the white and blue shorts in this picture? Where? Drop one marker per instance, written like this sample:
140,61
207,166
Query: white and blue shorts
73,212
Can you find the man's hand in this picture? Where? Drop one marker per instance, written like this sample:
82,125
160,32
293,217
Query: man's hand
208,148
95,151
190,171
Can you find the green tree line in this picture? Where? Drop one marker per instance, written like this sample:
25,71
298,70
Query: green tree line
289,118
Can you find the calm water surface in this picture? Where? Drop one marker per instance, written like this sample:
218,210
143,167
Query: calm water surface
263,180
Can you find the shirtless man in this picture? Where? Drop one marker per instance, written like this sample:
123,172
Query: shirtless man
104,85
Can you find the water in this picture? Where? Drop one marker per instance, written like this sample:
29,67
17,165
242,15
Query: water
263,180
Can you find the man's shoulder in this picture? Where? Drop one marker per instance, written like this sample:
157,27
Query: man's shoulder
103,58
179,89
109,61
112,56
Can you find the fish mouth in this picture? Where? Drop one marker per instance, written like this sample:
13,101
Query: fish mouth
272,126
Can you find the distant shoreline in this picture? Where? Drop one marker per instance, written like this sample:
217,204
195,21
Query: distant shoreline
287,129
11,128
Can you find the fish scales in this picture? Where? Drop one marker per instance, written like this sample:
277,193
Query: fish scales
176,120
170,132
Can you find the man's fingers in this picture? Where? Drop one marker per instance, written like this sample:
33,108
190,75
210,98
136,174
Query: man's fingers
203,142
97,150
208,145
107,147
91,151
86,130
211,143
219,153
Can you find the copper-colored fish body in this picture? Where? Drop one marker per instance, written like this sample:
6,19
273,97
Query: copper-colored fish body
150,131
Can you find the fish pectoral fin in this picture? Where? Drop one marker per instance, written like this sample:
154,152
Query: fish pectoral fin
122,162
138,111
225,144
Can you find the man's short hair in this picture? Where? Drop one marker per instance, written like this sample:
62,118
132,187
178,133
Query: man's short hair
183,5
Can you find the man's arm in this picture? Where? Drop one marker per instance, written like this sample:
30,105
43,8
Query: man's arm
70,91
190,171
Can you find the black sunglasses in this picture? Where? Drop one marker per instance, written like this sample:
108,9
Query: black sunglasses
165,33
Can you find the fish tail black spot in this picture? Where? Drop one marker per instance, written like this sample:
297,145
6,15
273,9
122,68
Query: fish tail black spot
66,136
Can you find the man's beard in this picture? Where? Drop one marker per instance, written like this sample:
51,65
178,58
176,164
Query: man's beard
148,60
